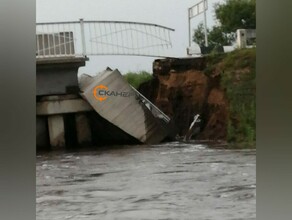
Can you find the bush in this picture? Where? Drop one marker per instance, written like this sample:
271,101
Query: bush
238,80
135,79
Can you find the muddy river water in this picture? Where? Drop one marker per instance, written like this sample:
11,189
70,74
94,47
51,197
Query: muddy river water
168,181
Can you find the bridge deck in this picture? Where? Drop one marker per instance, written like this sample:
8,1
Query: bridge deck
115,100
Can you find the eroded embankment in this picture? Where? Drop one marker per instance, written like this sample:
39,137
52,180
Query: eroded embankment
220,87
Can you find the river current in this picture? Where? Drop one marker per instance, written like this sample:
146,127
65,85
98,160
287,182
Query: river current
169,181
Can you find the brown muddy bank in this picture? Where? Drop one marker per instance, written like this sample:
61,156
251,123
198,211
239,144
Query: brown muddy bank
219,87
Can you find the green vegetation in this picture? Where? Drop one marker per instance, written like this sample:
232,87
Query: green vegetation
236,14
135,79
231,15
216,37
238,79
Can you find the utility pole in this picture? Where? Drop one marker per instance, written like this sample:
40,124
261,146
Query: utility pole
82,36
189,23
205,22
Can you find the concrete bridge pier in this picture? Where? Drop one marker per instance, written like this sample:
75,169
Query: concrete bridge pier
62,121
56,131
84,136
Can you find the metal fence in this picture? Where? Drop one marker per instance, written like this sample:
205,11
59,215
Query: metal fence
81,38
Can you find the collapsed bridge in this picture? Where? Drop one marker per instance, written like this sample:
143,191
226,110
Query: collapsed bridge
75,112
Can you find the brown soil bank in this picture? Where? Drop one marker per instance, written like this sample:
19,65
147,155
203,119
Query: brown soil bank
219,87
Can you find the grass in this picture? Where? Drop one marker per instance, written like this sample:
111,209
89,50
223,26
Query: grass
238,74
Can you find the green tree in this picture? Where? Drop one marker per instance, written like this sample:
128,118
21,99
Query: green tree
216,37
232,15
236,14
199,36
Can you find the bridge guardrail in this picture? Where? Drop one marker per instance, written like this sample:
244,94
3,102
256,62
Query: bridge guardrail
82,38
153,108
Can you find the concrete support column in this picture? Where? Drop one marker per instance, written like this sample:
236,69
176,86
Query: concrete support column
83,129
56,130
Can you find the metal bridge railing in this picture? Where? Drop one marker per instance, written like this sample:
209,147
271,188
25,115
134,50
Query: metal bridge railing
153,108
58,39
81,38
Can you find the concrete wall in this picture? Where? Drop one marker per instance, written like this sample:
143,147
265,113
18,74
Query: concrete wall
244,36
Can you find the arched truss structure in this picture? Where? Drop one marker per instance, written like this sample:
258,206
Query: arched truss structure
86,38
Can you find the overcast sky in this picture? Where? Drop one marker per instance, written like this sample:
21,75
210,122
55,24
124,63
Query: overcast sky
169,13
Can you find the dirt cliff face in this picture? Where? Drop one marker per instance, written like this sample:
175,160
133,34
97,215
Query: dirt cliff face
181,89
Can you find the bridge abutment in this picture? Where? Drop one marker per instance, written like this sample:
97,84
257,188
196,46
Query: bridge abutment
57,93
